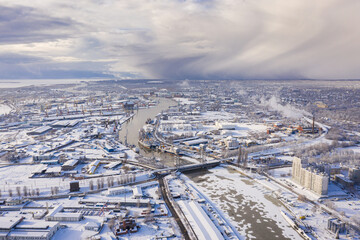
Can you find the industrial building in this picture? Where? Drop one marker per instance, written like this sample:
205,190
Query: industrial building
93,166
354,175
40,130
335,225
69,165
200,222
16,228
309,177
93,226
118,191
128,225
224,126
346,182
42,157
112,165
196,142
57,214
65,123
74,186
231,143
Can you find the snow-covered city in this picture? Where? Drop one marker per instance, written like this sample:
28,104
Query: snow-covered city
138,160
179,120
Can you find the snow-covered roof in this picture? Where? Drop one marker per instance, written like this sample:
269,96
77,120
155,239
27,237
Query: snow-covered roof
203,227
6,223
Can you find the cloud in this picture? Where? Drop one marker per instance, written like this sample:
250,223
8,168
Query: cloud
191,39
21,24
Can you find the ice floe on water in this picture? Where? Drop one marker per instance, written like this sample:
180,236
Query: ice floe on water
250,206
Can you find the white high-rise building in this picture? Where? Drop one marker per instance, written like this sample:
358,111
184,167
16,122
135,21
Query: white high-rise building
309,178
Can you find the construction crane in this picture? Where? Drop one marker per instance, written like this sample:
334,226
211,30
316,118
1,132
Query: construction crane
104,207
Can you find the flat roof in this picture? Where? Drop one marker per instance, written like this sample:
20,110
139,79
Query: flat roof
203,227
67,214
35,225
41,129
71,163
19,233
56,169
6,223
195,142
56,210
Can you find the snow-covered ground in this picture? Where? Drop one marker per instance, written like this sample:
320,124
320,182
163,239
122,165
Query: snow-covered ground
13,177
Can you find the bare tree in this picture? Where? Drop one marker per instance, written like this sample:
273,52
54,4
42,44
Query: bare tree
242,157
10,192
313,209
98,183
125,157
302,198
25,191
118,181
18,191
102,182
91,185
108,181
38,192
138,203
112,181
56,190
111,223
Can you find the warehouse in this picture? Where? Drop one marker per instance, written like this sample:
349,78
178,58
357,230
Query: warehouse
34,230
57,214
118,191
39,131
69,165
112,165
200,222
16,228
93,166
196,142
65,123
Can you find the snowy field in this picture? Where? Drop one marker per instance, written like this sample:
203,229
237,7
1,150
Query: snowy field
12,177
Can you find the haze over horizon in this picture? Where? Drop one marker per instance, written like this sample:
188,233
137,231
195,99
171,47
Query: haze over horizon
173,39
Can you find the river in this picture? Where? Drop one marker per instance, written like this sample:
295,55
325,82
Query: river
250,206
132,128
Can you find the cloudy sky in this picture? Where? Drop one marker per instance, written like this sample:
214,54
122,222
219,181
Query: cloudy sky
180,39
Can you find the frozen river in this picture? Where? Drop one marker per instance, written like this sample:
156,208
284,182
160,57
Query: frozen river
131,129
249,205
